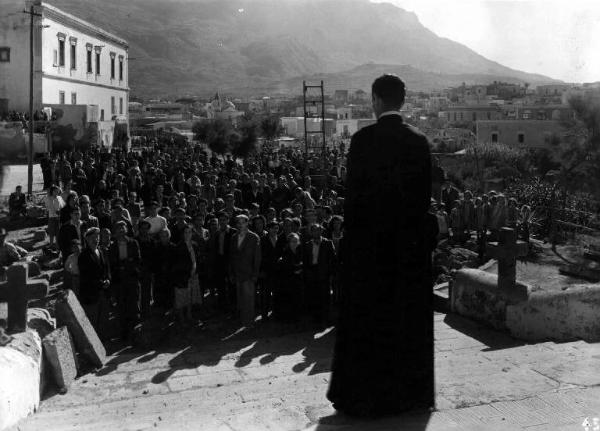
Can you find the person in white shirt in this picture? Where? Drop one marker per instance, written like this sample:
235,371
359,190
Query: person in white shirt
53,203
157,223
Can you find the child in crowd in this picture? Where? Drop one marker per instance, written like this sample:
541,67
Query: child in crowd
443,222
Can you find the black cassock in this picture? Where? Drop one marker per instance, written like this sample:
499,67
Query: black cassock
383,358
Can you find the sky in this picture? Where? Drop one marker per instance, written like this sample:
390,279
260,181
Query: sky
556,38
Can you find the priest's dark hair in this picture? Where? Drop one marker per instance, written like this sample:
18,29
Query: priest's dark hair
390,89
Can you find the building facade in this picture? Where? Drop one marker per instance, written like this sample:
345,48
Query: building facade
519,133
75,63
471,113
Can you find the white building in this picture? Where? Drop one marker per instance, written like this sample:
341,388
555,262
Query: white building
75,63
346,128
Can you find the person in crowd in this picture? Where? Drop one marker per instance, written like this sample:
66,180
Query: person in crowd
87,219
70,203
53,203
525,222
134,208
221,251
271,251
9,252
185,277
147,266
258,224
443,222
319,266
456,222
103,216
16,203
157,223
125,260
497,216
71,278
73,229
94,284
105,240
163,292
512,213
179,224
288,294
244,268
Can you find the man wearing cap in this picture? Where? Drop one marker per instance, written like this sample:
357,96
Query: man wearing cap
94,282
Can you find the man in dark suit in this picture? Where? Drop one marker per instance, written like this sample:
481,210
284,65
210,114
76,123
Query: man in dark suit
244,267
319,264
270,250
94,282
383,356
125,260
220,258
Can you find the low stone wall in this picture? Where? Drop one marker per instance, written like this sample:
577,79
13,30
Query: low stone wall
540,315
20,370
474,293
560,316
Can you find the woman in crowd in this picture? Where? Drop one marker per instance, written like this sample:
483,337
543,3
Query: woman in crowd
70,204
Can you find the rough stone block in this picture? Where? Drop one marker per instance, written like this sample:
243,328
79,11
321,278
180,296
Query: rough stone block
20,365
70,313
60,353
39,319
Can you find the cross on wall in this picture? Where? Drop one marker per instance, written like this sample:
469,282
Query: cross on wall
506,251
17,291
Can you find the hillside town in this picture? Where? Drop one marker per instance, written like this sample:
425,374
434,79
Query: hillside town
190,255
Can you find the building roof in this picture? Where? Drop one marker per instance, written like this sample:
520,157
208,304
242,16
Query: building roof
52,12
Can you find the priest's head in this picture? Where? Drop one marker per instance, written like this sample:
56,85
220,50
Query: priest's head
387,94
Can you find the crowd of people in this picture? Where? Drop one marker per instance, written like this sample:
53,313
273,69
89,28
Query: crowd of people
170,231
462,214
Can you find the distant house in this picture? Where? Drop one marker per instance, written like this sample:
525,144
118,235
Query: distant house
518,133
346,128
340,97
471,113
294,126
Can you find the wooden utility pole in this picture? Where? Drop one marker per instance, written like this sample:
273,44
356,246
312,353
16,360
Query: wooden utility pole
31,13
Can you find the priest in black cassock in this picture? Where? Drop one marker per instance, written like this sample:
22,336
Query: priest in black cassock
383,358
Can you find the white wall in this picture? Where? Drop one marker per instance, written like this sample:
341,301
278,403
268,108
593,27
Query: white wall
86,95
14,75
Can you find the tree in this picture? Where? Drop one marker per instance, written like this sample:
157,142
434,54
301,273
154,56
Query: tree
270,128
200,130
219,136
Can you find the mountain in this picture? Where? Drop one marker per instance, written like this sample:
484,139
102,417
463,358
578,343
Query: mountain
199,46
415,79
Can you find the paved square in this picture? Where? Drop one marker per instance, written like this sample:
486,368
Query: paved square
273,378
